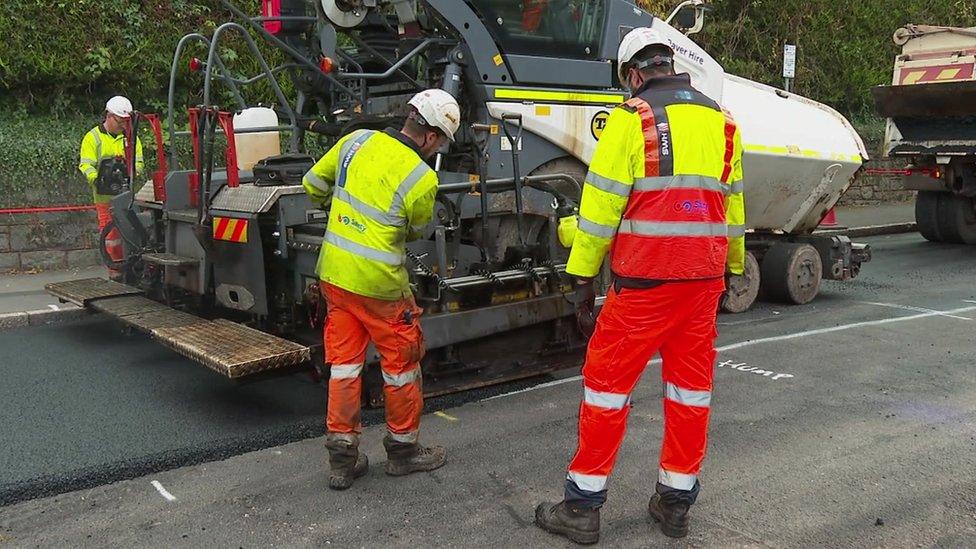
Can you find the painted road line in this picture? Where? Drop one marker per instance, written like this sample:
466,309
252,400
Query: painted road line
913,308
773,339
445,415
162,491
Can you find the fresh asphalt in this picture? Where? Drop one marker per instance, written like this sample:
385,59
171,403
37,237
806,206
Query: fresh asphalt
846,422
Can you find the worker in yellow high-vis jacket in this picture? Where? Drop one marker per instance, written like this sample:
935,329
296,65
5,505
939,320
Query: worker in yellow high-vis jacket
664,196
382,194
106,142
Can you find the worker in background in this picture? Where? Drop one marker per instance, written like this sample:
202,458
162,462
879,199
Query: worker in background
664,196
382,194
106,142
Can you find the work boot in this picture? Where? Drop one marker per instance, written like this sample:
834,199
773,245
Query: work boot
346,462
404,458
672,516
578,524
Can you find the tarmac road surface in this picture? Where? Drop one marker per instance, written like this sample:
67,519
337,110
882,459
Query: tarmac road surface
847,422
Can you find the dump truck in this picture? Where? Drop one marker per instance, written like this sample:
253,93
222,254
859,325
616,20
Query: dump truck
221,246
930,107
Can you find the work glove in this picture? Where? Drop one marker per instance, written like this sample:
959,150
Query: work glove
585,305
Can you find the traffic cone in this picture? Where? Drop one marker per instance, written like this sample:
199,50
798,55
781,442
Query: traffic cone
829,221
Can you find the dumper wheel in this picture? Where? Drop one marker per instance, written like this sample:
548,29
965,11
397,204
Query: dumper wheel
791,273
742,290
927,215
957,219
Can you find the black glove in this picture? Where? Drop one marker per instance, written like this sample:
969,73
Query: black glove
585,305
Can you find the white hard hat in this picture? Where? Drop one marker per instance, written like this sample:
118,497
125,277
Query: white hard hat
634,42
119,106
439,109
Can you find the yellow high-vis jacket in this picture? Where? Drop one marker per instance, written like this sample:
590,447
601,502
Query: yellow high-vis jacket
98,145
664,190
382,195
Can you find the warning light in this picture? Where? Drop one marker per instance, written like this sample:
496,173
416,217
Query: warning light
326,65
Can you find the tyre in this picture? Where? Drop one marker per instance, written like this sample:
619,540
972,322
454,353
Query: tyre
791,273
957,219
741,291
927,215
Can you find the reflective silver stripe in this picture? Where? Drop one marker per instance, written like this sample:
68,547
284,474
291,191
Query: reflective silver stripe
365,251
417,228
612,401
678,481
606,184
91,161
664,183
98,142
735,231
399,380
665,228
359,134
115,242
351,438
371,212
316,181
737,187
406,438
345,371
595,229
89,170
687,397
589,483
407,185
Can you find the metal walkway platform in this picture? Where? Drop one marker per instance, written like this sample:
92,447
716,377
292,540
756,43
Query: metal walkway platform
229,348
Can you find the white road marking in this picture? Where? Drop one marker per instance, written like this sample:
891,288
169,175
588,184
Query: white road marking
842,327
773,339
162,491
913,308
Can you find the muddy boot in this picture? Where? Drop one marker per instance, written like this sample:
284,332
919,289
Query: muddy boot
345,461
404,458
578,524
673,516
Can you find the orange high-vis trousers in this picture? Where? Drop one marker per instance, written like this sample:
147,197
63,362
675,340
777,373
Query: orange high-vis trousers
113,244
394,327
677,319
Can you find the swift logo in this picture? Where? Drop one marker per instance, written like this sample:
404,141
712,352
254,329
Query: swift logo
350,222
691,207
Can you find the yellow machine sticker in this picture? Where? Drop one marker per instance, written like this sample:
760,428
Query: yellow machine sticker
543,110
497,59
230,229
597,124
565,97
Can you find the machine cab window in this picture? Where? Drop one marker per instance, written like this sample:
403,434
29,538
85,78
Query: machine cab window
548,28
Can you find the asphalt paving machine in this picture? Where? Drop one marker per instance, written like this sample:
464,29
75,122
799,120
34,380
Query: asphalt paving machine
220,258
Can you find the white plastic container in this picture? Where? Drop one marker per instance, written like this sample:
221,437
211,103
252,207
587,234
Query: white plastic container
252,147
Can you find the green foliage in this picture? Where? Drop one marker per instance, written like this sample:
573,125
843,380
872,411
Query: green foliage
843,48
39,160
71,55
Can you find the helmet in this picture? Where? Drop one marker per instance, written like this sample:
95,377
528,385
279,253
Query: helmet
438,109
633,43
119,106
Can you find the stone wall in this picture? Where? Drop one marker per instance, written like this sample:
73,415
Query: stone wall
873,190
48,241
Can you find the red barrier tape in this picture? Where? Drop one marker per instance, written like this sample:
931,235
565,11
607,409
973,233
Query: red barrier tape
46,209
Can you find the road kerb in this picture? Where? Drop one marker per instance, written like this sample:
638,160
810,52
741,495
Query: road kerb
41,317
873,230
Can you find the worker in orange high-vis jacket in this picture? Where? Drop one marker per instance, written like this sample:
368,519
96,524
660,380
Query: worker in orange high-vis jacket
107,142
664,196
382,194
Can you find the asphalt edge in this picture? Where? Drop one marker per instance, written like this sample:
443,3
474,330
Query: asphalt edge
42,317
